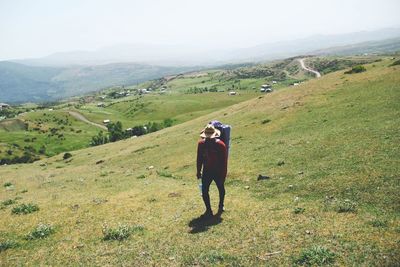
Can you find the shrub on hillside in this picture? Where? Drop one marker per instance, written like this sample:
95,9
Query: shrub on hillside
315,256
339,205
8,184
67,155
121,232
298,210
42,150
25,208
26,157
397,62
153,127
115,131
41,231
346,206
356,69
7,244
8,202
165,174
99,139
168,122
379,223
138,130
195,90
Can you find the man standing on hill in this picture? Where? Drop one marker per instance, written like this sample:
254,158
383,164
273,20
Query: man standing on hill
212,158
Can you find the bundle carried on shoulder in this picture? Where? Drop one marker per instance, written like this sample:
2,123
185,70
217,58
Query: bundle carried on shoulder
225,132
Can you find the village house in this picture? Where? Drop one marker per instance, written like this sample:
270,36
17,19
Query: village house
266,88
4,106
142,91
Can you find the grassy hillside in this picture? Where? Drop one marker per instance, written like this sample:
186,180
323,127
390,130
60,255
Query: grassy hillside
371,47
329,64
47,132
331,147
22,83
247,77
137,110
188,96
42,133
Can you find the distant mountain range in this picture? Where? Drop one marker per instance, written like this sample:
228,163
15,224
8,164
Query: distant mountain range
73,73
179,55
313,44
371,47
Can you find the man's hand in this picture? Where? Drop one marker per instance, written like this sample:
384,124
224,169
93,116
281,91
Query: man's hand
198,175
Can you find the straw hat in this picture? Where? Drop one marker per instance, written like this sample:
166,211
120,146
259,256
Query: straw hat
210,132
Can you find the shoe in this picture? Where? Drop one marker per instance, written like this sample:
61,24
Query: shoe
206,215
221,210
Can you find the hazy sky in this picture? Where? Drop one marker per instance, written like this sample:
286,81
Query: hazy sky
35,28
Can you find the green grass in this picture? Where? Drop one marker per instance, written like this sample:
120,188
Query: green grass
356,69
7,244
25,208
8,202
41,231
338,138
120,232
379,223
70,134
346,206
298,210
7,184
11,125
51,132
178,107
329,64
395,63
316,256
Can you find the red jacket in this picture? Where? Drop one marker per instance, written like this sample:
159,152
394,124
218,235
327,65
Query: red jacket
212,156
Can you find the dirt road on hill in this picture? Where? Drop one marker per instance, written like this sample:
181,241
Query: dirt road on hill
317,74
80,117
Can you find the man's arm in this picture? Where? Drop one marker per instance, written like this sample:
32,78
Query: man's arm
200,159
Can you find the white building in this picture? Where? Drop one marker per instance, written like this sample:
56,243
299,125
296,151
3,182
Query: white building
4,106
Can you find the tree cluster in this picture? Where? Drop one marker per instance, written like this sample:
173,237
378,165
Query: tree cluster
116,132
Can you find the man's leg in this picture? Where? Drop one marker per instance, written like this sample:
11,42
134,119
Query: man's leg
221,189
206,181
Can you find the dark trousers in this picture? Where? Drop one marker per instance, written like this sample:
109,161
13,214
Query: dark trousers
206,180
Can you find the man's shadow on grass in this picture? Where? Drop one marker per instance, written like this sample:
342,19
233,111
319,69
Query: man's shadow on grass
201,224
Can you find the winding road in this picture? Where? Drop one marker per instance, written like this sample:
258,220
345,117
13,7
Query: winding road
80,117
317,74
